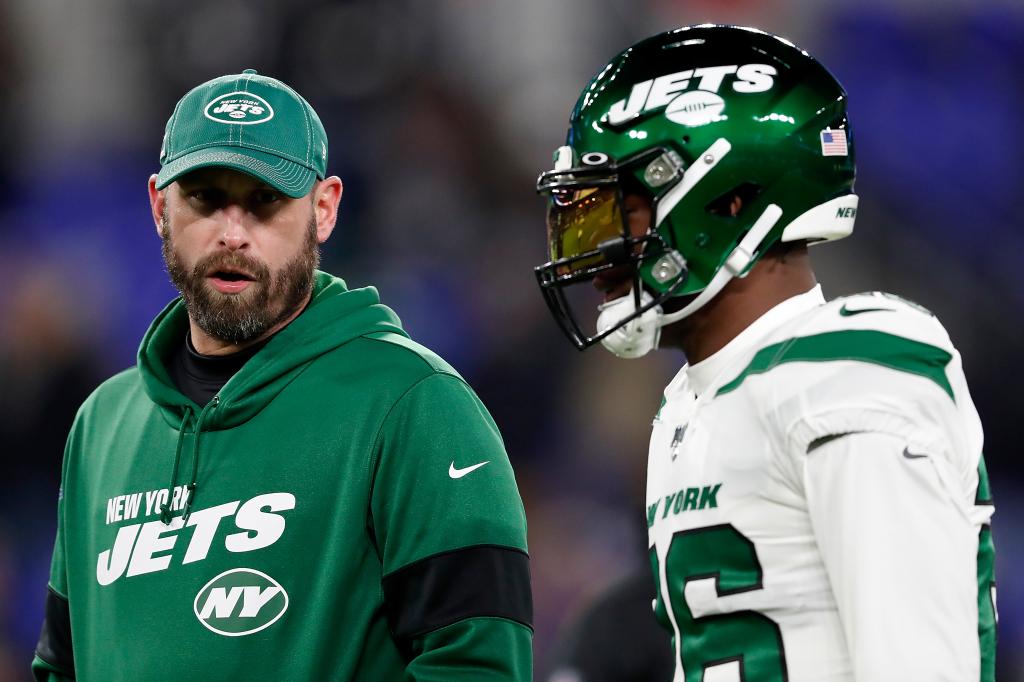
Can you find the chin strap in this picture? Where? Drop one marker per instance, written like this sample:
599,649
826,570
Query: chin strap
735,265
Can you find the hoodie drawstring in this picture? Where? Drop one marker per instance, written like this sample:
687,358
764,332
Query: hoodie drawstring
190,489
165,508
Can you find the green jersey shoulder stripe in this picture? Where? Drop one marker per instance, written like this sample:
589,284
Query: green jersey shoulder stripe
861,345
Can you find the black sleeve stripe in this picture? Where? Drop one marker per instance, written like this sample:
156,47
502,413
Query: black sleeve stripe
55,640
478,581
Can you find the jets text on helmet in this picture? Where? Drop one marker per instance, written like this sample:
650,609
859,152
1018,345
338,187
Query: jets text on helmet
659,92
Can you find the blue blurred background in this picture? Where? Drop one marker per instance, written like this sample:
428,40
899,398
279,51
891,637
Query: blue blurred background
440,115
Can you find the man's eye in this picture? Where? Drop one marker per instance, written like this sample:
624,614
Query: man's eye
266,197
203,196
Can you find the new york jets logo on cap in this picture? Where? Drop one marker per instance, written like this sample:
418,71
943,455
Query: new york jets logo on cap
240,108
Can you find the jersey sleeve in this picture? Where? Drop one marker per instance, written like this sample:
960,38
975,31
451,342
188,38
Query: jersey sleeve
877,426
451,532
890,370
900,550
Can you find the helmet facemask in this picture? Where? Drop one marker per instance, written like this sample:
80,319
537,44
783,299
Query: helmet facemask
589,234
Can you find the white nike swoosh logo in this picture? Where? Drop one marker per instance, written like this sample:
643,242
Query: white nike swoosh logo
459,473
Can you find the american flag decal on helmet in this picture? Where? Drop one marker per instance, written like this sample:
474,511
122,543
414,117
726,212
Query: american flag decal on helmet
833,142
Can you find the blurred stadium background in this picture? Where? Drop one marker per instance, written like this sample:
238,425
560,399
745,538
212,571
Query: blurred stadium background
440,115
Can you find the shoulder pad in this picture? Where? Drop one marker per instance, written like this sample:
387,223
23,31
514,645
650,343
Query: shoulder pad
874,329
876,310
869,362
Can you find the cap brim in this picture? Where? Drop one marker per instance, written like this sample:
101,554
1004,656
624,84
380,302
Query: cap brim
289,178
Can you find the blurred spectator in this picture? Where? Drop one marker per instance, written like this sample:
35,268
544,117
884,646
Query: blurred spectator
616,638
47,369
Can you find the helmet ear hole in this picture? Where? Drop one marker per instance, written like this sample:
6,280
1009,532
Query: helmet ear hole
723,205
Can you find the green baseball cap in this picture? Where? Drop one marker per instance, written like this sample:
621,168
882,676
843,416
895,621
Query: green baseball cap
251,123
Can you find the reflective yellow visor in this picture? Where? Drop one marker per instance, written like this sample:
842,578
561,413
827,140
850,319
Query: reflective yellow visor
579,220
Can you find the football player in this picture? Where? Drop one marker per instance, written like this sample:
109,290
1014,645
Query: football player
817,505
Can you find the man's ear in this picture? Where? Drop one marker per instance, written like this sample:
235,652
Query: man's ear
157,204
326,198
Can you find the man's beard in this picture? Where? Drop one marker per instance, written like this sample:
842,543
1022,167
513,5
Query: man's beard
245,316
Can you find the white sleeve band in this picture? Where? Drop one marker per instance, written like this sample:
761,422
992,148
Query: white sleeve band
901,556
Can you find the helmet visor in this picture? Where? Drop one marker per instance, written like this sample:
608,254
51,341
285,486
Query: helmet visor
579,220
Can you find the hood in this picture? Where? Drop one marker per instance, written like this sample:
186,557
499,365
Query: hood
335,316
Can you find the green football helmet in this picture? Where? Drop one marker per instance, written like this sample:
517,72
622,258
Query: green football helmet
693,118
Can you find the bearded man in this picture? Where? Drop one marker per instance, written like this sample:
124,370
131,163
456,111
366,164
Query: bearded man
286,486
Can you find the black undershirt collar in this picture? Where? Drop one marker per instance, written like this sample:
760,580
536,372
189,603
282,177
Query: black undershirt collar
200,377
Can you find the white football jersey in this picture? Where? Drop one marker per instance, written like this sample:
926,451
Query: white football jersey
817,502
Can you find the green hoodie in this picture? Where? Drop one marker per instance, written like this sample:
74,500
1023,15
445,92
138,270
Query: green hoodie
325,517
